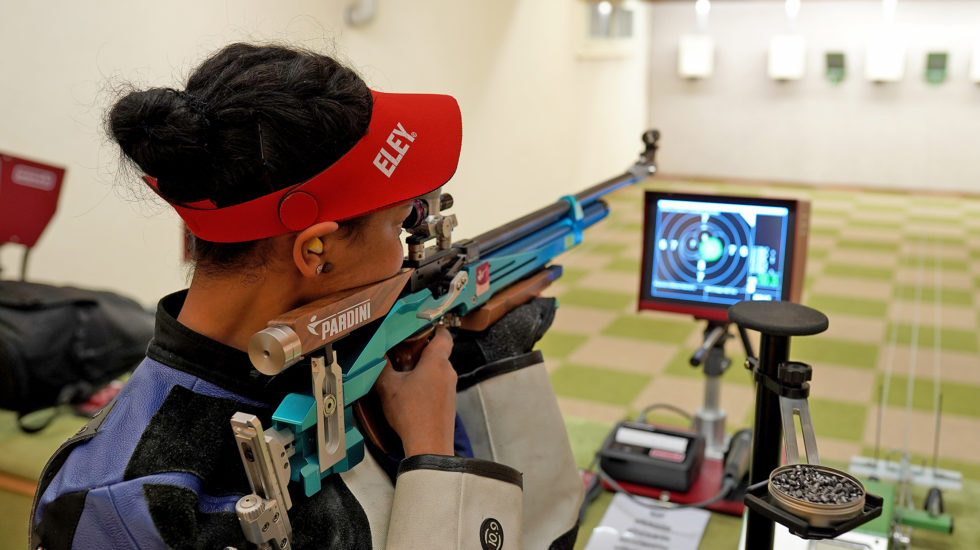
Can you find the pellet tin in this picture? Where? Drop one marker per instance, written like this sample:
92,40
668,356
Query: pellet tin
819,515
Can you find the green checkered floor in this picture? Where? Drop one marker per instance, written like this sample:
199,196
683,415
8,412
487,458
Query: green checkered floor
879,264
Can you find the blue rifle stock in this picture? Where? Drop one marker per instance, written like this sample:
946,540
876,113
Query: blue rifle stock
313,433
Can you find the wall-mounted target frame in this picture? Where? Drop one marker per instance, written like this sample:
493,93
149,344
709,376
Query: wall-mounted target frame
836,66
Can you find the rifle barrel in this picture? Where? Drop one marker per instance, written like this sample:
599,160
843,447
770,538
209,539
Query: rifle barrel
505,234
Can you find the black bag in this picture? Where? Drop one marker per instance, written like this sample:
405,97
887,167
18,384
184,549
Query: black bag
58,345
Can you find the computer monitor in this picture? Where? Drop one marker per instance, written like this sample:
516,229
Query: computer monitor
704,253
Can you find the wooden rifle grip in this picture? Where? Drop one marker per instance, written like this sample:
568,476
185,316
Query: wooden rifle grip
406,354
368,410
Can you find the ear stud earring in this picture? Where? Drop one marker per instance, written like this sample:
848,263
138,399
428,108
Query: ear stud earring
319,269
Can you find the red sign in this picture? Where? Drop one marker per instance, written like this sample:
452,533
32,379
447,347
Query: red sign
28,198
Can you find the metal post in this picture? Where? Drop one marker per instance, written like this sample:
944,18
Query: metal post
767,436
709,420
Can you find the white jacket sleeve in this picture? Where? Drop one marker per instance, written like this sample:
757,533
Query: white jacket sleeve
448,503
511,415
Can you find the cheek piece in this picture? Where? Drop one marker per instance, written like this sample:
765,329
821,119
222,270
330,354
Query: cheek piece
411,148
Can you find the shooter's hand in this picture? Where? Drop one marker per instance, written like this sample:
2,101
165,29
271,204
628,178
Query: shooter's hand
420,404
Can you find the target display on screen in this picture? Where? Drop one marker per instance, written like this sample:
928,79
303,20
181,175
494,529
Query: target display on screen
704,253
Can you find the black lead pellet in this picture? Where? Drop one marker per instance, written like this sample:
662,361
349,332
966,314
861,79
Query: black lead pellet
815,486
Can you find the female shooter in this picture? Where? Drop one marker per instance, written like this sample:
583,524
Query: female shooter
295,179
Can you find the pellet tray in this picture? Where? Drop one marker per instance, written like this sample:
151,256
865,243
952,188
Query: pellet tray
758,499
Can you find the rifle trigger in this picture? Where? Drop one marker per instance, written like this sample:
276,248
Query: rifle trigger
456,286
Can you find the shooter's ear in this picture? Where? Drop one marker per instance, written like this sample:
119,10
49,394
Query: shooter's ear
308,250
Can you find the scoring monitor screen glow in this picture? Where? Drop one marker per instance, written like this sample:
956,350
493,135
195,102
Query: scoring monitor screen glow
714,251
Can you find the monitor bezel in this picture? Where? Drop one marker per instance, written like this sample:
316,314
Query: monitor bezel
792,260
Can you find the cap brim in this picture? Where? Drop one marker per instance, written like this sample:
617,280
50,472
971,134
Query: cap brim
411,148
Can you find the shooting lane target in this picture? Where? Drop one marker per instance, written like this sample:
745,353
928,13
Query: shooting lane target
704,249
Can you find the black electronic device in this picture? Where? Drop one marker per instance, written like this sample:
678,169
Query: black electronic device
643,454
704,253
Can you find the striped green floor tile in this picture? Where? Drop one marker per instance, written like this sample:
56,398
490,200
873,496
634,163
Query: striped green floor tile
680,365
928,219
624,265
599,299
834,195
948,264
586,437
663,417
950,338
817,349
572,275
833,419
877,206
850,305
970,470
745,190
928,295
708,184
646,328
837,419
598,384
957,398
865,272
24,454
951,203
612,249
749,418
816,253
874,246
559,345
825,230
870,223
626,226
809,281
624,197
941,240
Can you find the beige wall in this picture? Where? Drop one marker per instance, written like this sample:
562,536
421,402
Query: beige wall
738,123
539,121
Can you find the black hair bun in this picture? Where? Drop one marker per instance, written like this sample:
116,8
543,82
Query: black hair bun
165,132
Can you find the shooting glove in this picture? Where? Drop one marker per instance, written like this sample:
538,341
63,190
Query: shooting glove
514,334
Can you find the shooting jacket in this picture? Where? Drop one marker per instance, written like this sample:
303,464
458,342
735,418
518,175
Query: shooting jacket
159,467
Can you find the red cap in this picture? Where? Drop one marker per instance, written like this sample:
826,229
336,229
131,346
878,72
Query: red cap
411,148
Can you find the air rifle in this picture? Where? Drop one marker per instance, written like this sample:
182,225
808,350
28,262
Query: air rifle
467,284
